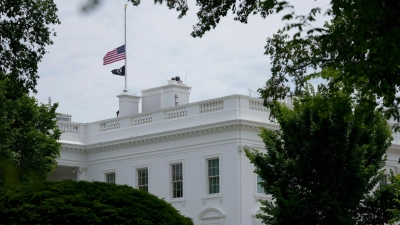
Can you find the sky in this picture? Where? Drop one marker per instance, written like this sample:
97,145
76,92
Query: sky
227,60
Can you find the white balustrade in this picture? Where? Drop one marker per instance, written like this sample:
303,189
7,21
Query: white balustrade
68,127
257,106
143,119
211,106
175,113
110,125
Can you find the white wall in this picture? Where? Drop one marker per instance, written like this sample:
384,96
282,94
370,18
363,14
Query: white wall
192,152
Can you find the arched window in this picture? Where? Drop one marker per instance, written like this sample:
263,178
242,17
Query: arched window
211,216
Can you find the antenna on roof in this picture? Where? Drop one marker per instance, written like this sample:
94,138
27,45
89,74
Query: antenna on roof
250,91
49,101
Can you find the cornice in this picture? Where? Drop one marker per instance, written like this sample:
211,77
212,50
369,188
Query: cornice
168,135
177,134
72,148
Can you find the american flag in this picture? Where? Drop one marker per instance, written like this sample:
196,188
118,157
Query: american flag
114,55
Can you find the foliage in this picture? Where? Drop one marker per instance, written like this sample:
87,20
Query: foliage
211,12
28,131
70,202
378,207
395,184
24,33
29,134
361,43
321,167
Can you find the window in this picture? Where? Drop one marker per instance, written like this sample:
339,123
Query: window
110,178
260,188
143,179
177,180
213,176
383,180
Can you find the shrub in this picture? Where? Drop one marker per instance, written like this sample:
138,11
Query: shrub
70,202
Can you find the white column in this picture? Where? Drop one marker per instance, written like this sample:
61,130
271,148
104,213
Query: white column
81,173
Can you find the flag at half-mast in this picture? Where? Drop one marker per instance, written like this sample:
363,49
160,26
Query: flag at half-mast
114,55
120,71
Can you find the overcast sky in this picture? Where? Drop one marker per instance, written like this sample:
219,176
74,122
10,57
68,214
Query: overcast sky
228,60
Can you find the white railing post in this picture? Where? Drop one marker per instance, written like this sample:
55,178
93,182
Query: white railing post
193,110
125,122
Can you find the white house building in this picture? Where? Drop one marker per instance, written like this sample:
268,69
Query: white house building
190,154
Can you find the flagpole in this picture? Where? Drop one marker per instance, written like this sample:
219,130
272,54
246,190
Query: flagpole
126,54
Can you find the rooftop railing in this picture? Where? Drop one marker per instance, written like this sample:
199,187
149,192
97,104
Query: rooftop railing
182,116
68,127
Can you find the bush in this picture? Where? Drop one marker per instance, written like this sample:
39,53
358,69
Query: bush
70,202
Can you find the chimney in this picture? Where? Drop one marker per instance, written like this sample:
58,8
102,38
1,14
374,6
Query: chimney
128,104
175,93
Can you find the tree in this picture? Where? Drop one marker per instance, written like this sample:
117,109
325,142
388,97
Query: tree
395,184
321,167
70,202
29,135
28,131
360,43
24,33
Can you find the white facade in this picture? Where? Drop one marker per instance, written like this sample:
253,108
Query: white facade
189,135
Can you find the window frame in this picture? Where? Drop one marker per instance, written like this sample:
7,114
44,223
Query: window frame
107,178
258,186
208,177
139,186
168,179
384,180
259,196
105,174
206,195
134,176
172,180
